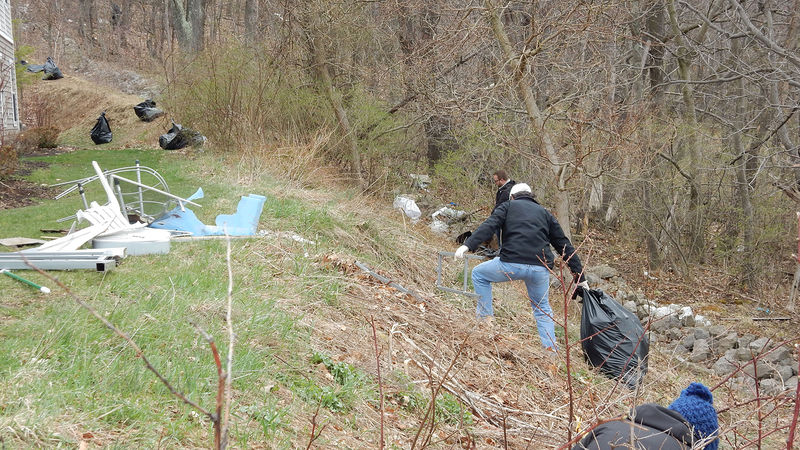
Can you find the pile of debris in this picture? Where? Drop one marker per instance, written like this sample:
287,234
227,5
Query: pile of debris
130,223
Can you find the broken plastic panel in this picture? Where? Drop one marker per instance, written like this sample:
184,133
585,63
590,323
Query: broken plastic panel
242,223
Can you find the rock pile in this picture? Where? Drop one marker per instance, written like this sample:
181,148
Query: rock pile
691,338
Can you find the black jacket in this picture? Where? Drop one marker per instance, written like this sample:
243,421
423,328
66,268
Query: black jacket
503,193
653,427
528,231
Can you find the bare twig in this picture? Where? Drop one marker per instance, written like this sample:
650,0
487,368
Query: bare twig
793,425
380,381
315,434
438,387
218,441
137,350
231,339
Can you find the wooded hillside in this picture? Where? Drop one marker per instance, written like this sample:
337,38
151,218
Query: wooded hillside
674,122
663,134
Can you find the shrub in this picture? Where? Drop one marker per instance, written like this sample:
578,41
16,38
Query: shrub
37,137
8,161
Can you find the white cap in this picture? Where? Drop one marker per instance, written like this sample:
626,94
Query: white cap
520,187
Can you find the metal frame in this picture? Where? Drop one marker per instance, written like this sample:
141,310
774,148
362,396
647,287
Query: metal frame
467,257
137,204
100,260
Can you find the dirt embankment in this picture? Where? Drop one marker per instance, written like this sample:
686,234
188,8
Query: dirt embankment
72,105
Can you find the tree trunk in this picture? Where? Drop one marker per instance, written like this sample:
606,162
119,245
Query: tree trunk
651,227
414,32
654,25
335,99
189,22
121,21
86,21
743,190
250,18
517,66
689,170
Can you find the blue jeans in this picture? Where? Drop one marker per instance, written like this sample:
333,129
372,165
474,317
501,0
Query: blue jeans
537,280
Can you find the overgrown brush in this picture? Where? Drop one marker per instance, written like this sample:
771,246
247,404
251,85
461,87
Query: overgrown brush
264,108
36,138
8,161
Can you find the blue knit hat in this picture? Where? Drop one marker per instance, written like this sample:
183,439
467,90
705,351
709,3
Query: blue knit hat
695,404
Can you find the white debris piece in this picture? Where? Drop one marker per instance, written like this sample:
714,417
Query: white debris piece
408,206
447,214
420,181
664,311
437,226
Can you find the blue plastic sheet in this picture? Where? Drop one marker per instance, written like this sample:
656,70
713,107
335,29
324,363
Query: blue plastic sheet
244,222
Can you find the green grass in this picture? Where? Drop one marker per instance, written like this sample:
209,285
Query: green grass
65,374
62,369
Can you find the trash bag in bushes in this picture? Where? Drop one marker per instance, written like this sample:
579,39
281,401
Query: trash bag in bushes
147,111
178,137
51,71
613,339
101,133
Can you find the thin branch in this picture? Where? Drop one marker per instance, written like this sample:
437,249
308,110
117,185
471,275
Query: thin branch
677,167
793,425
380,381
759,36
133,345
231,340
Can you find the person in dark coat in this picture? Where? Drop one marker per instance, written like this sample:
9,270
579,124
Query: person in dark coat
528,232
689,421
504,185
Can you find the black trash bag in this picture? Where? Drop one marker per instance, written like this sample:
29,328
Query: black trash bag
147,111
51,71
101,132
613,339
178,137
34,68
461,238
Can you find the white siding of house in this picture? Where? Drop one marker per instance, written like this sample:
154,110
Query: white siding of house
9,106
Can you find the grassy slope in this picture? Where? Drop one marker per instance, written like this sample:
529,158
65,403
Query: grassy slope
302,315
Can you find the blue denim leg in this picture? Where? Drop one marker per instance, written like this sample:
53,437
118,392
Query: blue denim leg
483,275
537,280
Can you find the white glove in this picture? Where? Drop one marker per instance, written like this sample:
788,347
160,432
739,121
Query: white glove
584,285
460,252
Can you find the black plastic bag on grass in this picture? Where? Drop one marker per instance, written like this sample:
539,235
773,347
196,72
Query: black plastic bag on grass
613,339
101,132
178,137
147,111
173,139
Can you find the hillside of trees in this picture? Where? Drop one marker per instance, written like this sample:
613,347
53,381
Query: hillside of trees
663,134
672,122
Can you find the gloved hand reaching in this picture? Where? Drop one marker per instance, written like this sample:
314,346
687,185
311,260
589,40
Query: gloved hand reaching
460,252
580,288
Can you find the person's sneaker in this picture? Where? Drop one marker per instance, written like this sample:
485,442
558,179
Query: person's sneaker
485,323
